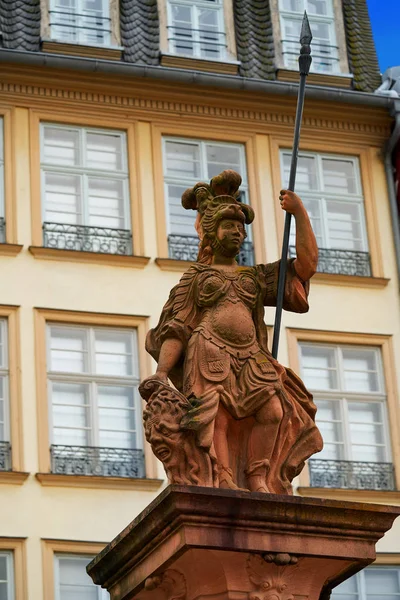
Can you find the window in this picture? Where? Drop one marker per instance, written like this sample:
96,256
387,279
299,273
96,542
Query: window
6,575
196,28
373,583
349,391
330,187
93,376
72,581
80,21
2,193
185,163
85,189
324,46
5,447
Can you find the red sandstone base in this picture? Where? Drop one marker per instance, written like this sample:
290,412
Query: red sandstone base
196,543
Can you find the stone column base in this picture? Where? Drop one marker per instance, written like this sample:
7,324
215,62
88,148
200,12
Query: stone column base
195,543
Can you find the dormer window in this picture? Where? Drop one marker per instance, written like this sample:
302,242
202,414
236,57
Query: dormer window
80,22
196,29
322,21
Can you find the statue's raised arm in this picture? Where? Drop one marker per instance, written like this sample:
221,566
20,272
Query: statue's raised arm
236,418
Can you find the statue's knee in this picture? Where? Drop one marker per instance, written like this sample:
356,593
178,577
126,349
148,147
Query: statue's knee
271,413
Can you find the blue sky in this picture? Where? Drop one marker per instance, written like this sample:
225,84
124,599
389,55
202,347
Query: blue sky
385,19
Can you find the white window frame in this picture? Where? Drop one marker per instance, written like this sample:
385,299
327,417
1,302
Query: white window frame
361,583
92,380
328,19
10,573
86,172
343,396
357,198
4,374
203,175
101,593
79,31
2,183
194,5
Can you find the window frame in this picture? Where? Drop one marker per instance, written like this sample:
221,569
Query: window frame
105,16
44,316
361,582
101,593
193,6
202,144
134,182
16,548
344,397
356,199
385,343
329,19
5,373
10,316
84,172
51,547
93,380
10,573
215,133
371,187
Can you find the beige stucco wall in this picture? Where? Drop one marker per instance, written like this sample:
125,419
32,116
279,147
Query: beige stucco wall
34,511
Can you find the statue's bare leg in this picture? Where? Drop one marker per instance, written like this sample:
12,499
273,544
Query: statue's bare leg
222,450
261,444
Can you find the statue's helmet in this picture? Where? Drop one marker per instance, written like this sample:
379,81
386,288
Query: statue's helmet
216,201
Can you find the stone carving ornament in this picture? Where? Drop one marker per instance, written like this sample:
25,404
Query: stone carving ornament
272,581
235,418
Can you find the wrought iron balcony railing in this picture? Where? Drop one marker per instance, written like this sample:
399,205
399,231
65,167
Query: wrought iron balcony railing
197,42
2,230
5,456
325,56
352,475
341,262
89,460
71,26
87,239
186,247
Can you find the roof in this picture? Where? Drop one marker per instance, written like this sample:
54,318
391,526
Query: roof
140,34
361,52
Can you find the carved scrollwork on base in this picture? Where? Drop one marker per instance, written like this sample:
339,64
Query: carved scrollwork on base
171,582
272,580
185,462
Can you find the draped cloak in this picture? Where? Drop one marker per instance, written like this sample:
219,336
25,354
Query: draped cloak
298,437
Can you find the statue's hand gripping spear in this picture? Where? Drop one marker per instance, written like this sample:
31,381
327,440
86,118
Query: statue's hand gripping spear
304,68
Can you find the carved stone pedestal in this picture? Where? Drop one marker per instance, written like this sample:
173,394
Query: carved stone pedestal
196,543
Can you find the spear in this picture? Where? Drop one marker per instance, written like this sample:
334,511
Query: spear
304,68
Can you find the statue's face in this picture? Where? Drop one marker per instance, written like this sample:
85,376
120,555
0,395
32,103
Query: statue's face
230,234
165,438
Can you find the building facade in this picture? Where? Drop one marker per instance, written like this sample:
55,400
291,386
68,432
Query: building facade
109,111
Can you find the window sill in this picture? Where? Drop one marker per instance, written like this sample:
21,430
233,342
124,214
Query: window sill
10,249
92,481
13,477
105,52
324,79
118,260
373,496
172,264
350,280
199,64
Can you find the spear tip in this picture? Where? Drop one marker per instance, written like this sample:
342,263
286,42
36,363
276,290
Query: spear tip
305,34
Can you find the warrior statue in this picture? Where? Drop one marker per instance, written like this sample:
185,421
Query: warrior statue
235,418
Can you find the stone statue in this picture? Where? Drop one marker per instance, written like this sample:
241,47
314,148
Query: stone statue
236,418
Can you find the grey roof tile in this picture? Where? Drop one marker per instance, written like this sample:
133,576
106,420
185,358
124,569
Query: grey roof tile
254,38
361,51
20,24
140,33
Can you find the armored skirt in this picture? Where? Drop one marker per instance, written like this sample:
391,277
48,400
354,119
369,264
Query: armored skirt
218,316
